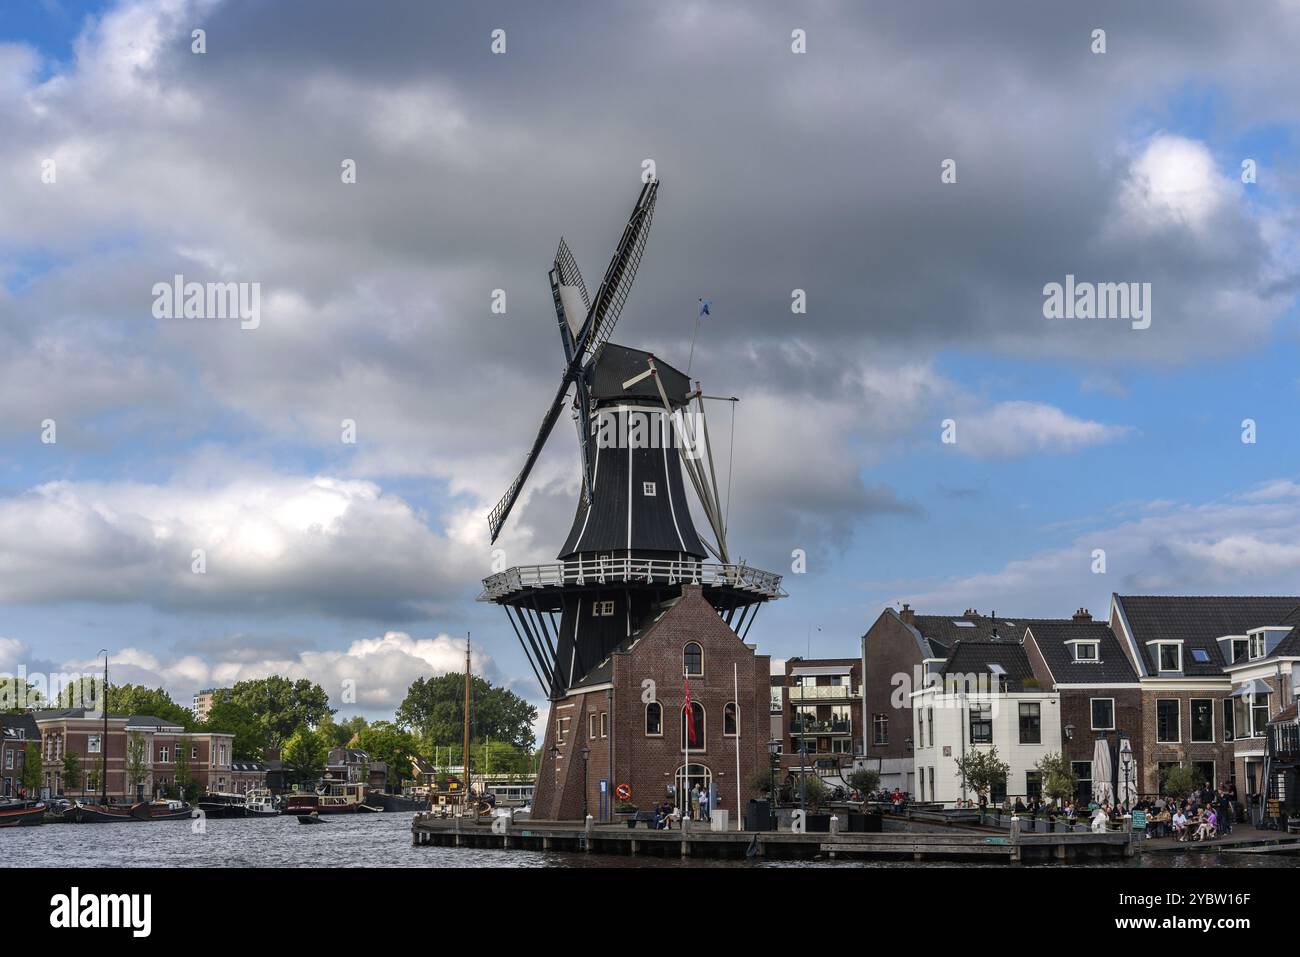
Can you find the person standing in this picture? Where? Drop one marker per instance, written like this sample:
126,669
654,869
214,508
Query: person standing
704,804
695,803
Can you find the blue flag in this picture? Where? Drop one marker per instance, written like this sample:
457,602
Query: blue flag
704,306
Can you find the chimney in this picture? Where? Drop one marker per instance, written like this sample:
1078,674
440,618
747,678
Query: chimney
993,637
1082,615
908,616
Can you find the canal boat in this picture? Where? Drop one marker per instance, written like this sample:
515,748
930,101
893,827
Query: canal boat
337,799
22,813
161,811
260,802
223,806
98,813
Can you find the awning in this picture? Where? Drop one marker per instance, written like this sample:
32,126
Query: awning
1252,687
822,670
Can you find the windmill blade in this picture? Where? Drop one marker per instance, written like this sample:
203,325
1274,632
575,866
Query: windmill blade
570,292
498,516
614,288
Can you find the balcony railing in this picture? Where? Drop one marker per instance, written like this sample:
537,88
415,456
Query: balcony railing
798,727
822,693
620,570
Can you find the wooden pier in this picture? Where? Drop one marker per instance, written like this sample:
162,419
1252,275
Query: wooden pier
573,836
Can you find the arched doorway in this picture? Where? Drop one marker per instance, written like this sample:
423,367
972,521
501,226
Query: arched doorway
686,778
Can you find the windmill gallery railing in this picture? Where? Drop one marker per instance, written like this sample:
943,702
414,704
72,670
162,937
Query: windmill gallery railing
608,570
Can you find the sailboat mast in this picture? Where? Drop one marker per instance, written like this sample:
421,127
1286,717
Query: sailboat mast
465,750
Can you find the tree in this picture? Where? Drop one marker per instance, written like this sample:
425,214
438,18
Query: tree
865,780
304,755
33,768
283,706
982,770
435,709
1059,781
92,780
127,700
137,767
232,717
1178,781
71,771
16,698
387,742
184,776
812,789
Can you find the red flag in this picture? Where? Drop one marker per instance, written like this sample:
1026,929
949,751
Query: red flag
689,712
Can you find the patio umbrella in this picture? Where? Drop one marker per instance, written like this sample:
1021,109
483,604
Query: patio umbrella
1102,791
1128,791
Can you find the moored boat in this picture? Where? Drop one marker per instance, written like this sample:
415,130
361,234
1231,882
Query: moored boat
260,802
98,813
161,811
22,813
223,805
339,799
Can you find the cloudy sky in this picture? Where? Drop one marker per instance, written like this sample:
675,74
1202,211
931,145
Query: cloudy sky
126,158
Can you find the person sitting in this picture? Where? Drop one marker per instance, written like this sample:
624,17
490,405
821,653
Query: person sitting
1206,828
1099,820
1179,821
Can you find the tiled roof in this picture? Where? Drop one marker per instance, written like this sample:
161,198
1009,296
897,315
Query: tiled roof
1112,666
943,631
26,723
975,657
1286,714
1199,621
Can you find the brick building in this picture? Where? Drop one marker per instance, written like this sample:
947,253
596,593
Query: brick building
1100,696
822,709
16,732
1180,647
81,732
628,714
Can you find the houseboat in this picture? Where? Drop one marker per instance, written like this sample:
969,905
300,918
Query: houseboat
336,799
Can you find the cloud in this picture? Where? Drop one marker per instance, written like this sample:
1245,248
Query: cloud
1021,428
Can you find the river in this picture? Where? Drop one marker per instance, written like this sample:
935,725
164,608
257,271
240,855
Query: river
384,840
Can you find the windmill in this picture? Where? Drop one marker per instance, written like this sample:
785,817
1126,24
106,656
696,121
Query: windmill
633,542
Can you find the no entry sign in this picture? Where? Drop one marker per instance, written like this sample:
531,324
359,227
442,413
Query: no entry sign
623,792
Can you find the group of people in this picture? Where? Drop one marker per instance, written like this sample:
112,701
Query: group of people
1203,814
897,799
695,807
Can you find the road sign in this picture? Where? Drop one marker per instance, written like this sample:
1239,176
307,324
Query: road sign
623,792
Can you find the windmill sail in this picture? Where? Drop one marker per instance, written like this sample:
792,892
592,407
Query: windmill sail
614,288
570,290
498,516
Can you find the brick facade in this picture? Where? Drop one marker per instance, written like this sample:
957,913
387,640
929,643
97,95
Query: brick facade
649,668
892,654
1185,751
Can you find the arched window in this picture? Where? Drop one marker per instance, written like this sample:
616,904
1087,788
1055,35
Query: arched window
654,720
730,720
692,660
698,720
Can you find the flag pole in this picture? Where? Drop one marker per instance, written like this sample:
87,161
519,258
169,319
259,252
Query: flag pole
735,678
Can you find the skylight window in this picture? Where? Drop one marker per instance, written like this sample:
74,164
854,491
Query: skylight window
964,624
1201,656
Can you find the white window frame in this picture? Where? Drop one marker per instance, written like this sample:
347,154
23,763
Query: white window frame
695,674
648,488
1087,659
732,707
645,723
1160,646
1178,723
1191,722
93,743
1092,715
684,739
1256,636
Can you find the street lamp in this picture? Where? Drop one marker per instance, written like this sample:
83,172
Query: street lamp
774,761
1126,762
584,752
1069,732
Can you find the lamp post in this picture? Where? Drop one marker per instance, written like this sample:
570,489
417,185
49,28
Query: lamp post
1126,762
1069,732
773,762
584,752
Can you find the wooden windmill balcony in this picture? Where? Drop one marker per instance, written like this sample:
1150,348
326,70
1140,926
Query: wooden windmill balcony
522,579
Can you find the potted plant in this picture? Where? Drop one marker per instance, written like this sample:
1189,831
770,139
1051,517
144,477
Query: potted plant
627,811
815,792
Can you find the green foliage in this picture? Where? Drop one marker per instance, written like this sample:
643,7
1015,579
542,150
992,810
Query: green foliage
865,780
71,771
981,770
304,755
341,735
1178,781
33,768
761,781
1059,781
283,706
232,717
385,741
127,700
15,698
137,767
812,789
435,709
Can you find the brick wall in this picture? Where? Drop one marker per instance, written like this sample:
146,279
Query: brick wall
891,651
1185,751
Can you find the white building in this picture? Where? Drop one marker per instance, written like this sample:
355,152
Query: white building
985,698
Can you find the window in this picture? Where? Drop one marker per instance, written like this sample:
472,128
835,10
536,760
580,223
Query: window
920,730
654,720
1167,721
929,718
1258,714
1202,720
164,753
591,725
932,784
1171,657
730,724
647,488
194,752
602,609
1200,656
1240,648
604,724
9,760
1257,645
1085,651
697,720
561,730
1103,714
1034,784
1229,722
1031,722
1083,781
981,724
92,744
880,729
692,660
